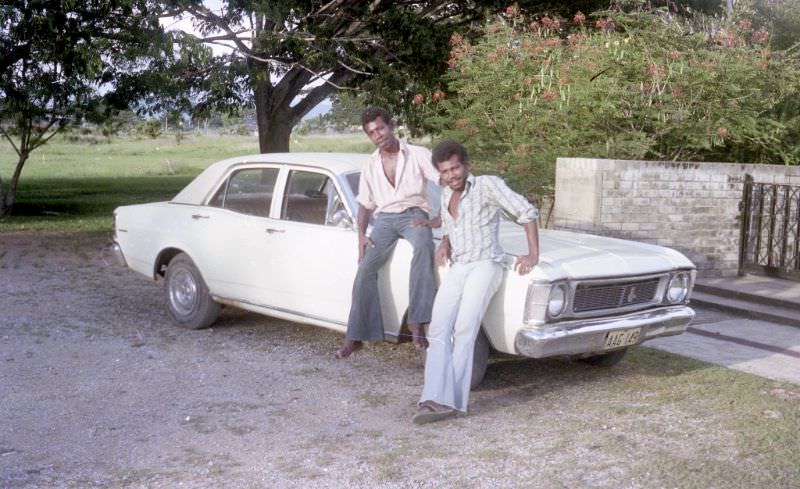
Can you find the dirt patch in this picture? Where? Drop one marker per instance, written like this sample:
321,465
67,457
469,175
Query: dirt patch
99,389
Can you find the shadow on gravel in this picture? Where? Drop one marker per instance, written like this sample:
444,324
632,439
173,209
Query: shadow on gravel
513,381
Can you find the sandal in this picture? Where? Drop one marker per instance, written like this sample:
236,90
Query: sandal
430,411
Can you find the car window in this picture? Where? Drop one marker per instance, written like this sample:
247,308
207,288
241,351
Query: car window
311,198
248,191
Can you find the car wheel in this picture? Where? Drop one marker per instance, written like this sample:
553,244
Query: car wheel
188,300
606,359
480,359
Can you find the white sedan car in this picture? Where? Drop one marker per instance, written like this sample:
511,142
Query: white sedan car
275,234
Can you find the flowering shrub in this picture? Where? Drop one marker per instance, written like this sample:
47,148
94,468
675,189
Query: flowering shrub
626,86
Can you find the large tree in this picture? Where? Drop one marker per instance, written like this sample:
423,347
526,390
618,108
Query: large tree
64,62
286,57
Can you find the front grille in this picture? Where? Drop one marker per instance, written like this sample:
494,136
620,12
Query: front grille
589,297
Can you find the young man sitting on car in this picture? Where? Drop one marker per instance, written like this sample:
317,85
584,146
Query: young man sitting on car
470,213
393,189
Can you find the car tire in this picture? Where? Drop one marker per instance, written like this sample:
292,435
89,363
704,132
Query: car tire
480,359
606,359
188,301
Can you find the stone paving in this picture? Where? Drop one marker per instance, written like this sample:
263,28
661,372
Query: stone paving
754,346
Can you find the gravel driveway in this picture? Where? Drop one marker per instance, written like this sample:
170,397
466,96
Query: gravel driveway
99,389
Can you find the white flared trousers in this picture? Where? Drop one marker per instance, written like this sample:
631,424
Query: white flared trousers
458,310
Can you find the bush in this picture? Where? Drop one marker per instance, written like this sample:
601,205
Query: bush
623,85
151,128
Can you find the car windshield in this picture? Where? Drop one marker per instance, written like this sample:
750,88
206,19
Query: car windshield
352,181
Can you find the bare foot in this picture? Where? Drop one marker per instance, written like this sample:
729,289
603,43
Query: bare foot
348,348
418,336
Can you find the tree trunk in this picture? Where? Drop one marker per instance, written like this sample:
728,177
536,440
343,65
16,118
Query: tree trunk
275,124
7,200
2,200
276,136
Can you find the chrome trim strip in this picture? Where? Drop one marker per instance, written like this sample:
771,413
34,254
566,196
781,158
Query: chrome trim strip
234,302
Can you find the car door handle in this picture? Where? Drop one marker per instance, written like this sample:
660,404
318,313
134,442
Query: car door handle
199,216
274,230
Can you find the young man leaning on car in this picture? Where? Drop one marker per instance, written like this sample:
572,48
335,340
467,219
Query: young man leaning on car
470,212
392,188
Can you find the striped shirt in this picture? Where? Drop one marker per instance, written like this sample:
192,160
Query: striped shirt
414,167
474,234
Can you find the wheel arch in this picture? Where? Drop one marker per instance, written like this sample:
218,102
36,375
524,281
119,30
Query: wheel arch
162,260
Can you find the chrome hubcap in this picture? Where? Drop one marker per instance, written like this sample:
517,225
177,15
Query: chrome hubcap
183,292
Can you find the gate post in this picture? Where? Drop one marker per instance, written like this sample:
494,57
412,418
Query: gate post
744,209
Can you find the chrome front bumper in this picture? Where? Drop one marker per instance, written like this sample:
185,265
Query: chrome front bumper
584,337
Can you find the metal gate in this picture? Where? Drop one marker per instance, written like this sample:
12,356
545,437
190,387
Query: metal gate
770,229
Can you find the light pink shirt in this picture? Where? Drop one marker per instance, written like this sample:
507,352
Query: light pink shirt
413,168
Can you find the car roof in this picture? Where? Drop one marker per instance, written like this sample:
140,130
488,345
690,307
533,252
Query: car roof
338,163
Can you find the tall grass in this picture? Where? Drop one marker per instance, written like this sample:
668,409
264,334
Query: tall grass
75,186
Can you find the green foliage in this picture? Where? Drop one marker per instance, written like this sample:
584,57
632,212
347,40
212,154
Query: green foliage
628,86
151,128
780,17
57,61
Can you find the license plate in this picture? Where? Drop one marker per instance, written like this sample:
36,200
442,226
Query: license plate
624,337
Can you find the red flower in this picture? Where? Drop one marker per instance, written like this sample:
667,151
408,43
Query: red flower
418,99
579,18
604,24
761,37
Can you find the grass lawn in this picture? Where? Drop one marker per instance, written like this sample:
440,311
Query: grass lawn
68,186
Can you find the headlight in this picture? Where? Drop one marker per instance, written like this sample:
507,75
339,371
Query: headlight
557,302
678,288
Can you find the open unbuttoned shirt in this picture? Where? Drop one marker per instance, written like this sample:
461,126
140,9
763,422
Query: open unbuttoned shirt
414,166
474,234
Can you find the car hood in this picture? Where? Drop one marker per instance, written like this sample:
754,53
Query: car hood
565,254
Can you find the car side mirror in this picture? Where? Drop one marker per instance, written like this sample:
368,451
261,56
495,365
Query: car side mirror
341,219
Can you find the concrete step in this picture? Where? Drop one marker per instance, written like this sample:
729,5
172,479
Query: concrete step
746,295
755,309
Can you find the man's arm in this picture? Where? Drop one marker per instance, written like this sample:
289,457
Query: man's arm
526,263
363,239
525,214
436,222
443,251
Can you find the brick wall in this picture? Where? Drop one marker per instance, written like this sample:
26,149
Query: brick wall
692,207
